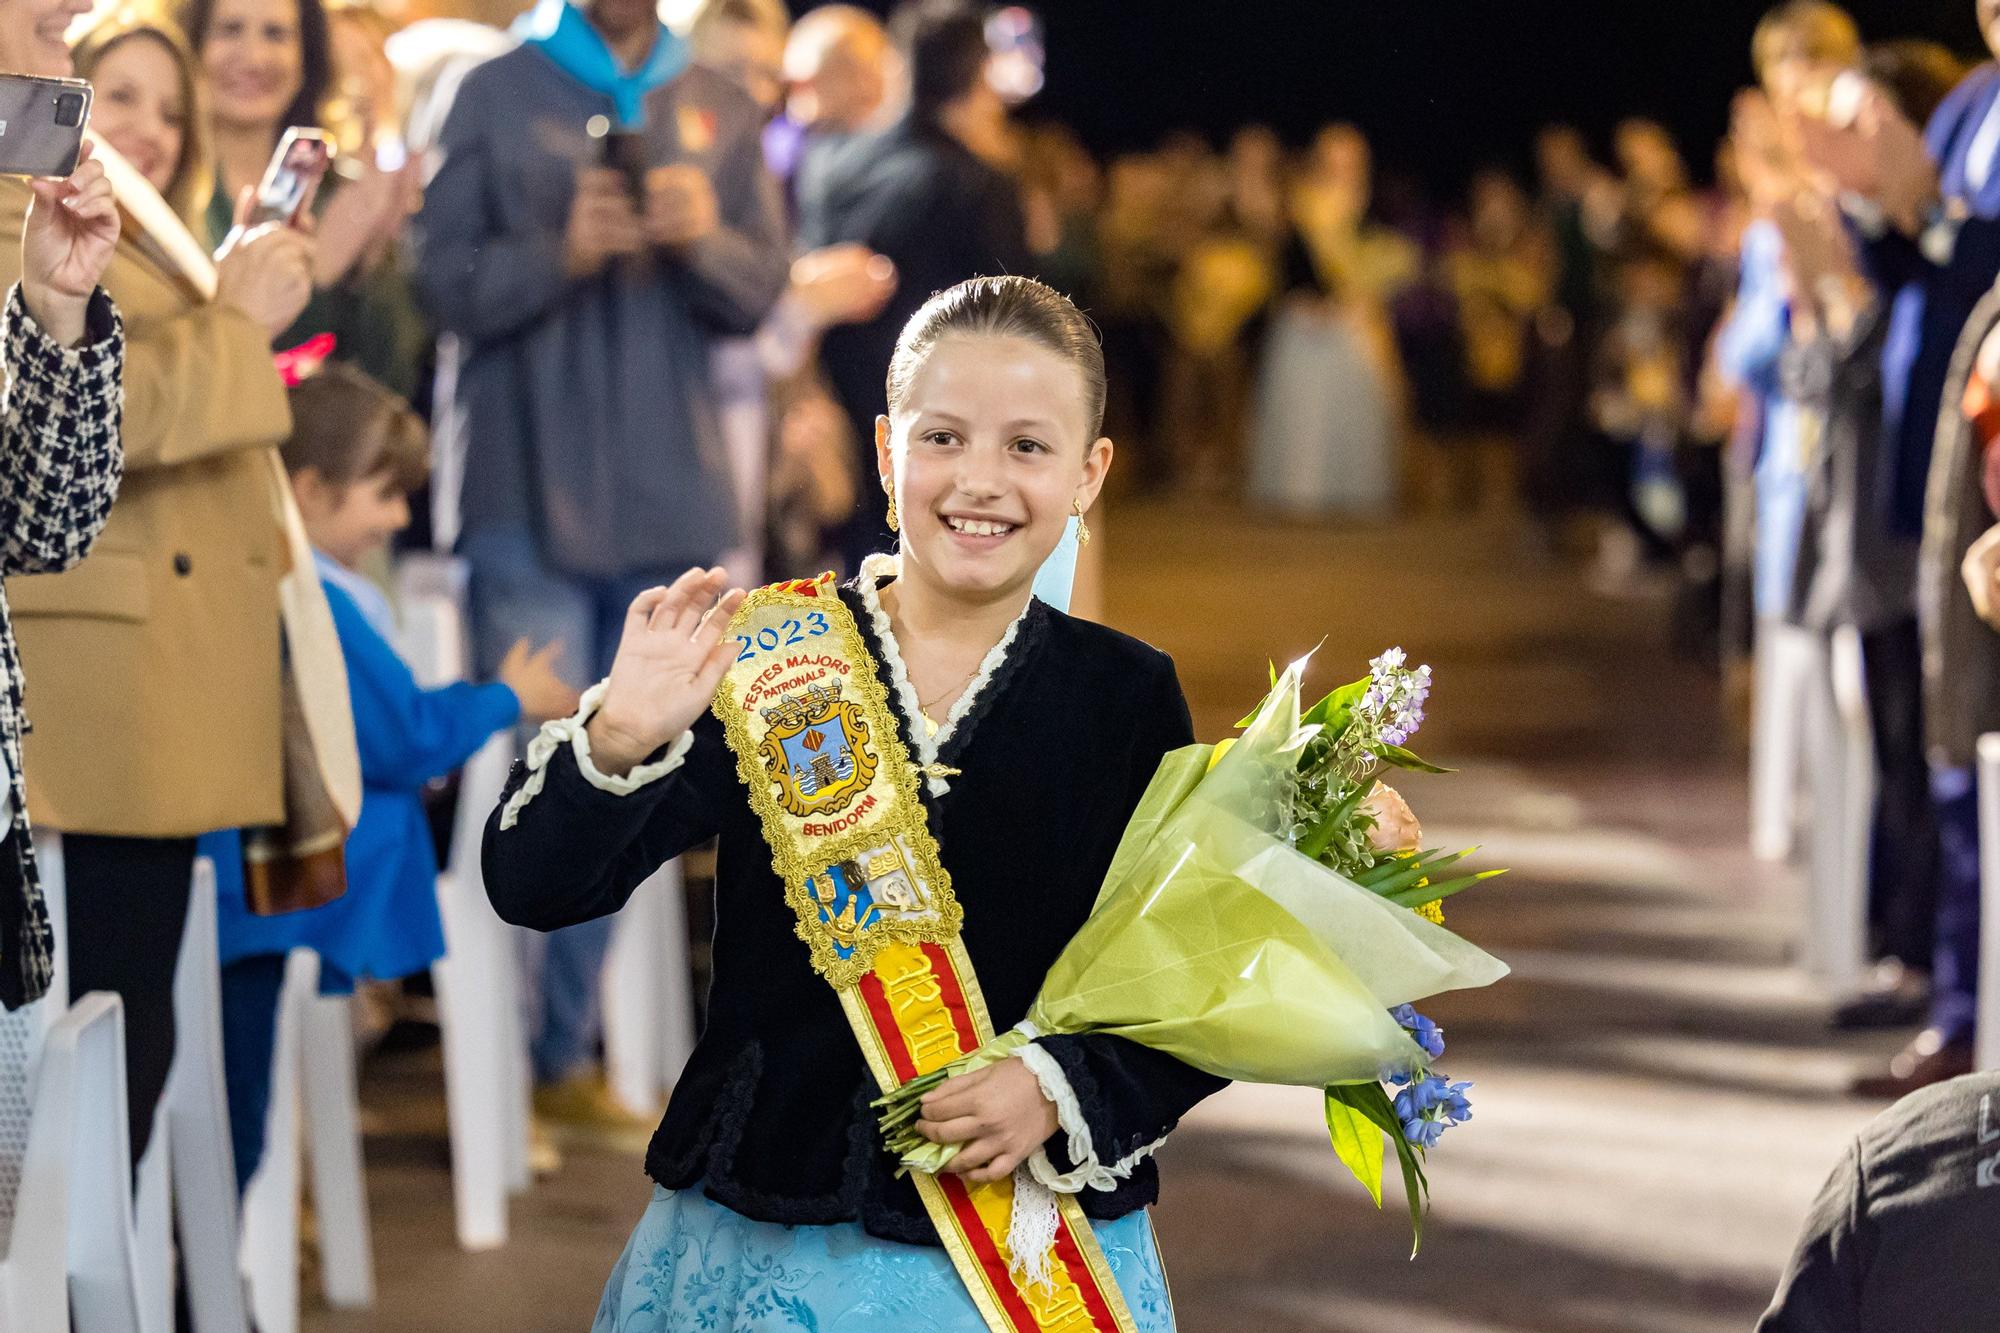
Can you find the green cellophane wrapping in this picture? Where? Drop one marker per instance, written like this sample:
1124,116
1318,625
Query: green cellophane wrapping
1216,941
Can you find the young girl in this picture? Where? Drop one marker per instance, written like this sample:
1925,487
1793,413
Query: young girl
1029,736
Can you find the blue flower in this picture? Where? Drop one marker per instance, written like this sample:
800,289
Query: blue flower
1423,1133
1430,1105
1422,1031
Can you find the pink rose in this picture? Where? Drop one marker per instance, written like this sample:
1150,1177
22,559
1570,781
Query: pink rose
1396,828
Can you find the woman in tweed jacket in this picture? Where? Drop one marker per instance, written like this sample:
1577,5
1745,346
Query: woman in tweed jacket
60,464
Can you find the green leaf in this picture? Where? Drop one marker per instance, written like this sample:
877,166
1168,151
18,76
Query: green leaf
1372,1101
1407,878
1397,865
1439,890
1334,711
1416,1188
1397,756
1357,1140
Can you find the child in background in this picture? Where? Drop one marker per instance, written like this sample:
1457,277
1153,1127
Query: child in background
355,454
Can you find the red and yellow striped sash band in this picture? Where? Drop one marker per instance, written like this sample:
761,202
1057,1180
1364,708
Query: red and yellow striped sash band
831,780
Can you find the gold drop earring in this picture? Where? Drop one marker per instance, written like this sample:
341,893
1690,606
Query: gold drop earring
1075,507
889,489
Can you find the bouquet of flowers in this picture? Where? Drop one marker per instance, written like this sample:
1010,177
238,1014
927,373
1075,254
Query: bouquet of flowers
1269,917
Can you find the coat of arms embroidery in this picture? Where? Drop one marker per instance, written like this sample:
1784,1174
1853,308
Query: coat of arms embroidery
817,751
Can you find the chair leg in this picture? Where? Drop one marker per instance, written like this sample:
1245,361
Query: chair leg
471,995
648,995
340,1194
197,1125
1836,901
271,1202
104,1283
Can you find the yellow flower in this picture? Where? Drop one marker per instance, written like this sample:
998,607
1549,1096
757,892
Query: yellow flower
1432,912
1221,749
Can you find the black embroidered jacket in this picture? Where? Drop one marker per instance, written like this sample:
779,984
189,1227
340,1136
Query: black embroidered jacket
771,1114
60,465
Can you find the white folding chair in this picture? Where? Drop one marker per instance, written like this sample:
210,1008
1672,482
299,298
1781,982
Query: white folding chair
199,1170
68,1253
270,1247
313,1113
1784,666
1840,749
478,980
329,1095
479,1016
1987,1054
649,994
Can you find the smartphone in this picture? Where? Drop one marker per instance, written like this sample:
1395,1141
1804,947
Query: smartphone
41,124
625,153
293,179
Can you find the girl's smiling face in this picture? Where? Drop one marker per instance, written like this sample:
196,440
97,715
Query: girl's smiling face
988,449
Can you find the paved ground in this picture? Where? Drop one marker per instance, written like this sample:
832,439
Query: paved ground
1657,1095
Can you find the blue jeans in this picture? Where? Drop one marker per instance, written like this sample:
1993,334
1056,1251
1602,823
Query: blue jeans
1955,965
517,594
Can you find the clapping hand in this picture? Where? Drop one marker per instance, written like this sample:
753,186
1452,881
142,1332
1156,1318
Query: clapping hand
66,243
532,676
843,284
1981,572
359,221
670,660
1877,154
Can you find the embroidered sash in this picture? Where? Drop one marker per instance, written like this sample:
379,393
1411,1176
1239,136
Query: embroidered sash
831,780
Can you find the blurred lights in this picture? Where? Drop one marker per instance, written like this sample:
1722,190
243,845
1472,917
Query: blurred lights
1014,35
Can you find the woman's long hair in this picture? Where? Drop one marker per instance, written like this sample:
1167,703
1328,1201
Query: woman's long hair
193,177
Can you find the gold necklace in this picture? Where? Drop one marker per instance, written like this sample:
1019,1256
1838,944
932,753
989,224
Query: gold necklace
925,708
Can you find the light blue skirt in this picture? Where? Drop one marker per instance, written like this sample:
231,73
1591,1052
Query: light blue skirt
693,1266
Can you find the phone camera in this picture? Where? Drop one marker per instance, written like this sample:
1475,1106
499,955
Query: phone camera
69,110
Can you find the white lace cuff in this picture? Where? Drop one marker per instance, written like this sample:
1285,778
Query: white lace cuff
570,731
1089,1173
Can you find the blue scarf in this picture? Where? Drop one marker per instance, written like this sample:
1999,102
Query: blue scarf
565,36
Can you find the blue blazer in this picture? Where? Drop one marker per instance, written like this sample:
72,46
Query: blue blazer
1930,296
386,925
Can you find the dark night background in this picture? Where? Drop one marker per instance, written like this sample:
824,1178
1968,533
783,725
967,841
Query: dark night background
1440,86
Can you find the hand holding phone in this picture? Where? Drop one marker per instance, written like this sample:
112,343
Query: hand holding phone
603,223
681,208
66,244
264,271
